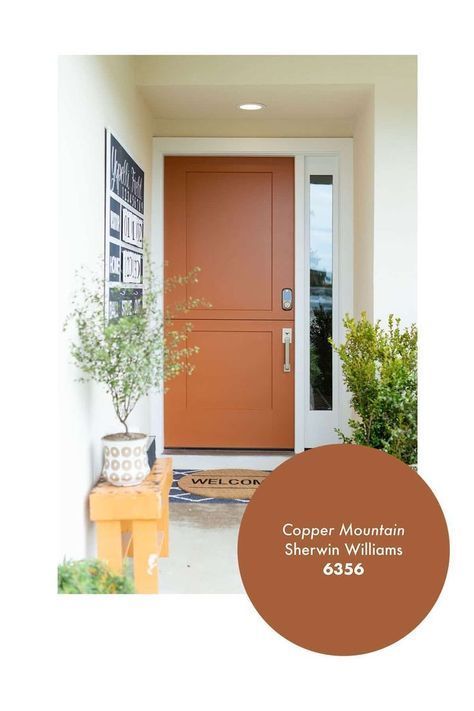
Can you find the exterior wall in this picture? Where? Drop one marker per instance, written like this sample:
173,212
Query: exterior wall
395,198
364,210
94,93
235,128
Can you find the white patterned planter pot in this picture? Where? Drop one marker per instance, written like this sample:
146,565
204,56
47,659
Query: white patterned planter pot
125,459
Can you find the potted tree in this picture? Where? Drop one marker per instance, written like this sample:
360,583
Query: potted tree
130,356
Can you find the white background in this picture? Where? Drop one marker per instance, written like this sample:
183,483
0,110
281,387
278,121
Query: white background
201,652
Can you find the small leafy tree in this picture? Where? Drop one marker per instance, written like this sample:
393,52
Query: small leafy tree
136,353
91,577
380,371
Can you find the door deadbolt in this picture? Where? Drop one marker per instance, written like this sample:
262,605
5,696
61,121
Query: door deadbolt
287,299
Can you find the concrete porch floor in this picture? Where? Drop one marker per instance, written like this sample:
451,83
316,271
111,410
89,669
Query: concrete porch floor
203,549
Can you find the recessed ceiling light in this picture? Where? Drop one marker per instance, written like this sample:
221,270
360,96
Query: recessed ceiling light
252,107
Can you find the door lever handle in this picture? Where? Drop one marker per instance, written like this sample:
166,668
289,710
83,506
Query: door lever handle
286,337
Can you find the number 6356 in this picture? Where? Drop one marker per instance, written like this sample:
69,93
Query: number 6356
343,569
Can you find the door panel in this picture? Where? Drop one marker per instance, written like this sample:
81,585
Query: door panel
238,396
233,380
232,217
237,209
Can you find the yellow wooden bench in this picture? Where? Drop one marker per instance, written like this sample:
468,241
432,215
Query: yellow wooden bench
133,521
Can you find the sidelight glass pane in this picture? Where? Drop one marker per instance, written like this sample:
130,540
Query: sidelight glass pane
321,290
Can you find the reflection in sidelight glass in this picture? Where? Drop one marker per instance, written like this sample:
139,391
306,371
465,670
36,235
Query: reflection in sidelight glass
321,286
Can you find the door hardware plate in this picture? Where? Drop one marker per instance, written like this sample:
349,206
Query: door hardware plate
286,338
287,299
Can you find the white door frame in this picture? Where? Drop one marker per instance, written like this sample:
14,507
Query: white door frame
338,149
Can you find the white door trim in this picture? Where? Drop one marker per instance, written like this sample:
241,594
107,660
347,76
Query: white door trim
299,149
320,425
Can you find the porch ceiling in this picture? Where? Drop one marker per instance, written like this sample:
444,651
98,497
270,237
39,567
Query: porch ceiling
283,102
304,96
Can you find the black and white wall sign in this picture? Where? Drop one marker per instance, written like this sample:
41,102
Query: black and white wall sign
132,266
124,237
115,272
124,302
126,178
114,218
132,228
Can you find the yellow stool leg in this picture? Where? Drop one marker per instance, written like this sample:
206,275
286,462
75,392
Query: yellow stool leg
145,556
163,526
109,544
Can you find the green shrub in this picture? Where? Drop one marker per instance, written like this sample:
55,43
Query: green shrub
91,577
380,371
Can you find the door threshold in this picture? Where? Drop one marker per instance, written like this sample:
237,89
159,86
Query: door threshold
260,459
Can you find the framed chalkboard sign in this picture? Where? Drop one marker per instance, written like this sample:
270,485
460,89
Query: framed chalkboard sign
124,229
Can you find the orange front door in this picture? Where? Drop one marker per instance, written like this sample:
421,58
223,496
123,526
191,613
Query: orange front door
233,218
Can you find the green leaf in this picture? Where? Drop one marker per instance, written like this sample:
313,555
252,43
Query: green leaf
379,368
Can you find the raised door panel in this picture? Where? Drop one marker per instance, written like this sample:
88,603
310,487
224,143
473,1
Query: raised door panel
238,395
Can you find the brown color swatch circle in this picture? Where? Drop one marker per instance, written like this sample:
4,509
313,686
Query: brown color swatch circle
334,487
223,483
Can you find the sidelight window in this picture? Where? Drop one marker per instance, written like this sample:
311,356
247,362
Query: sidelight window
321,291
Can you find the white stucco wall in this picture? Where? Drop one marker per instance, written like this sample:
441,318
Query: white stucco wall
364,210
395,196
94,93
385,193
